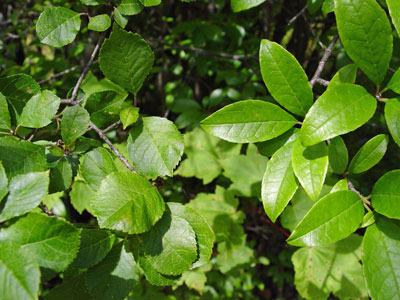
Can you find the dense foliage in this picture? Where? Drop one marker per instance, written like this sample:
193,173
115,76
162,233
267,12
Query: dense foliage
199,150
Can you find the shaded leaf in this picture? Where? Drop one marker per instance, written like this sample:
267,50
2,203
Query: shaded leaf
392,116
3,182
73,288
99,23
80,195
240,5
5,119
338,155
296,210
346,74
394,83
386,195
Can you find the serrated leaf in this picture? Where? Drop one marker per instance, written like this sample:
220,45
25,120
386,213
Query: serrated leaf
338,155
26,192
341,109
20,271
53,242
73,288
386,194
380,260
248,122
394,83
310,164
74,123
285,78
331,219
154,277
369,154
5,119
3,182
96,165
296,210
126,59
128,116
366,34
94,246
127,202
130,7
155,146
279,183
58,26
334,268
392,116
99,23
240,5
80,195
346,74
394,11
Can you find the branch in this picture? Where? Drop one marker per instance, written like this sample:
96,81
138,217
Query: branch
58,75
302,11
324,60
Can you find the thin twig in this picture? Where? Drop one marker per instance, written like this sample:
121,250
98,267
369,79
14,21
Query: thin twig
58,75
301,12
112,126
324,60
322,81
32,135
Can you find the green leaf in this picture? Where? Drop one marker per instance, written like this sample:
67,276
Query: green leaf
369,154
328,6
394,11
248,122
58,26
204,234
338,155
341,185
39,110
240,5
334,268
126,59
21,157
74,123
99,23
331,219
268,148
230,257
80,195
3,182
60,176
26,192
127,202
5,120
155,146
128,116
19,271
170,246
115,276
368,219
341,109
96,165
380,260
346,74
279,183
296,210
314,5
310,164
73,288
386,195
394,83
53,242
119,18
285,78
366,34
154,277
150,2
392,116
94,2
130,7
94,246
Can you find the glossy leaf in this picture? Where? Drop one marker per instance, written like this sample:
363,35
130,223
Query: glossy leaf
369,219
150,2
366,35
268,148
20,271
369,154
341,109
155,146
53,242
381,259
240,5
338,155
310,164
26,192
126,59
3,182
386,195
331,219
248,122
99,23
285,78
120,19
5,119
392,116
130,7
58,26
129,116
346,74
127,202
394,83
341,185
74,123
394,11
279,183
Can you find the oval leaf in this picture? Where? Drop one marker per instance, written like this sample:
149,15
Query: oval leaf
99,23
285,78
331,219
74,123
130,7
392,116
248,122
128,116
394,11
338,155
339,110
386,195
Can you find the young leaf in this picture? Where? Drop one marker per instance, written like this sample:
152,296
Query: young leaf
392,116
5,120
3,182
20,271
279,183
58,26
81,194
26,192
331,219
346,74
127,202
394,11
366,35
240,5
130,7
369,154
285,78
74,123
341,109
338,155
386,195
310,164
39,110
99,23
380,260
128,116
394,83
119,18
155,146
248,122
126,59
53,242
341,185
